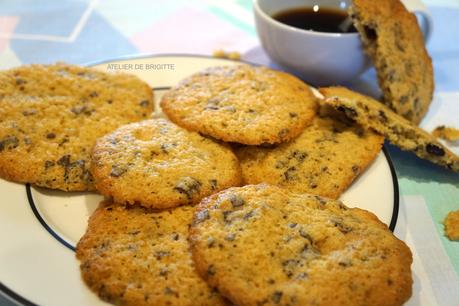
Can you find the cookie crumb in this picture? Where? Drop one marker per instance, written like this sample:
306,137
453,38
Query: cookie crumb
447,133
233,55
451,223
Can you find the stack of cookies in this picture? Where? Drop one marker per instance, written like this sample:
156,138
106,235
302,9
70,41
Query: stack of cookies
176,228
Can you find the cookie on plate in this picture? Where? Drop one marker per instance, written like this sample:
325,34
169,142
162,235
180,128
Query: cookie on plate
51,116
263,245
452,225
392,38
243,104
323,160
399,131
132,256
158,164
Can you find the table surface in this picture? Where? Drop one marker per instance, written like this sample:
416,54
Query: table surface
81,32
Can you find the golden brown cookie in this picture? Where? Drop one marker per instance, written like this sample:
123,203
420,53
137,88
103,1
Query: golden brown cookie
263,245
392,38
452,225
158,164
51,116
323,160
371,114
132,256
243,104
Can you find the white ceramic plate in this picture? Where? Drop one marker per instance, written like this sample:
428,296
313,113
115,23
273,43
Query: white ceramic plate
39,228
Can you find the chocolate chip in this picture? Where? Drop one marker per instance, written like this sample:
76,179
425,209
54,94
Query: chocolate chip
306,236
283,133
348,111
188,186
144,103
211,270
82,109
9,143
236,200
382,117
213,184
161,254
49,164
338,223
117,171
370,32
435,150
293,115
355,169
168,290
20,81
201,216
290,175
345,263
29,112
175,236
163,272
64,161
50,135
210,242
249,215
277,296
93,94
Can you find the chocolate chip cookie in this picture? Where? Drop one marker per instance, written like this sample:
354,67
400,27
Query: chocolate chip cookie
158,164
243,104
133,256
263,245
51,116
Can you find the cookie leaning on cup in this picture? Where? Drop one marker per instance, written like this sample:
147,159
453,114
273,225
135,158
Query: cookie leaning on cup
51,116
263,245
392,38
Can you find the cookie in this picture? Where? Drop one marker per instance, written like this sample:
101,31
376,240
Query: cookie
51,116
132,256
263,245
371,114
452,225
158,164
391,37
324,160
447,133
243,104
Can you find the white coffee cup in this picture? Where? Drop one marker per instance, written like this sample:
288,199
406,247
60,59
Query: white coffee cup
319,58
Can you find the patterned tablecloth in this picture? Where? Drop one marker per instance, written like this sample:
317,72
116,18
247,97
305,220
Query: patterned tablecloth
86,31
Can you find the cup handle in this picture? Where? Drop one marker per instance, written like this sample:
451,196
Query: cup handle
420,9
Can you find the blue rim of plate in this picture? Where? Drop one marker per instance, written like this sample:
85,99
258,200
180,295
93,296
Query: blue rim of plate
13,296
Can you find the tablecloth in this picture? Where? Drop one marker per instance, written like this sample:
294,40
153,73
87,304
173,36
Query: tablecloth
86,31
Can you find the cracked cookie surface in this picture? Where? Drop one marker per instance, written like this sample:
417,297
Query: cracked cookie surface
243,104
263,245
51,116
157,164
373,115
324,160
132,256
392,38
